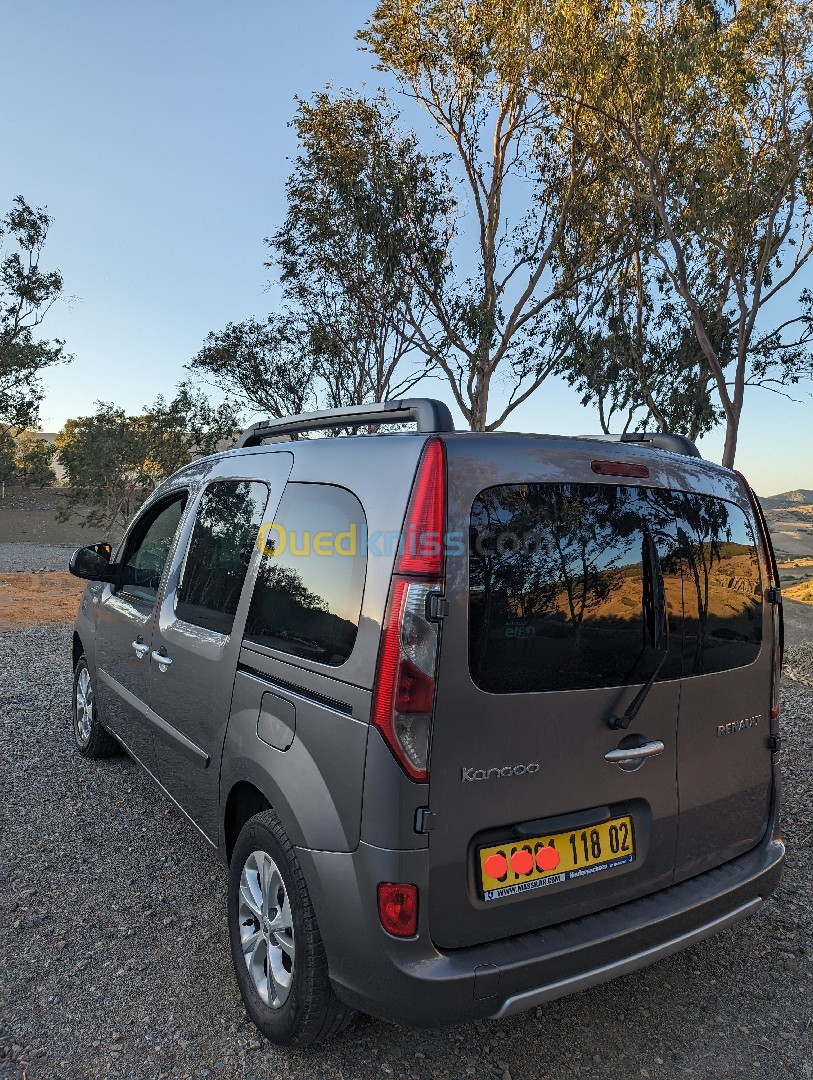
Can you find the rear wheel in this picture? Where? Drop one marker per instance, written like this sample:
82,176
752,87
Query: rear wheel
91,739
278,955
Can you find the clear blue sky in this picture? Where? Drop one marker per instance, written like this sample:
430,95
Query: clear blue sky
156,133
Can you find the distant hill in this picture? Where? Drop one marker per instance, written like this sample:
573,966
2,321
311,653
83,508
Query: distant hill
788,499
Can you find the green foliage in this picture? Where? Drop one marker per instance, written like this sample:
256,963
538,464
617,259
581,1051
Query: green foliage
702,113
472,65
627,188
6,456
33,460
113,461
264,365
366,214
365,208
26,295
638,361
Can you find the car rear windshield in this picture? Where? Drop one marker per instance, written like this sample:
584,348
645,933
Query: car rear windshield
579,586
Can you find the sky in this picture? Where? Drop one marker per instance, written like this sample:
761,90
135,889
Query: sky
157,135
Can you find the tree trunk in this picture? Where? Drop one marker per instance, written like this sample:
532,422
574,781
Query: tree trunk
479,401
731,432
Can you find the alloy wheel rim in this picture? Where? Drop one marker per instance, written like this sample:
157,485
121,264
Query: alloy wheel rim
266,929
84,706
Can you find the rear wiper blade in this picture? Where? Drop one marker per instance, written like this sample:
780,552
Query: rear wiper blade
660,619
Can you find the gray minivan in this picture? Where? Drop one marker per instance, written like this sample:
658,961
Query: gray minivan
476,719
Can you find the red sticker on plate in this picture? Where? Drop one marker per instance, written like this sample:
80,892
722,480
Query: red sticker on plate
548,858
495,865
522,862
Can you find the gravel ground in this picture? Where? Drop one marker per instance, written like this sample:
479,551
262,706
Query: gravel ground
799,663
34,557
115,956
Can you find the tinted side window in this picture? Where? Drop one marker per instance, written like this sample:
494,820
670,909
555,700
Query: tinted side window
307,600
561,587
722,585
148,547
229,516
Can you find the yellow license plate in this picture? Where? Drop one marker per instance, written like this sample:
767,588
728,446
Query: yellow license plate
523,865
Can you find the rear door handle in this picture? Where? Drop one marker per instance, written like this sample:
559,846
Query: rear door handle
635,755
161,659
141,648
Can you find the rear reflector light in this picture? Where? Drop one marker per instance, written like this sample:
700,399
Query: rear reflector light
405,678
398,908
422,548
618,468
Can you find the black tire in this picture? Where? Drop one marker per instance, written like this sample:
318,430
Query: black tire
92,741
311,1011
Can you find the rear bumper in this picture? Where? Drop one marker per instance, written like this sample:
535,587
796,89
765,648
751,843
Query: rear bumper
410,981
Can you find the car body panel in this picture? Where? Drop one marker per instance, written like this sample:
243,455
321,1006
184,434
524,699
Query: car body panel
354,816
565,733
193,694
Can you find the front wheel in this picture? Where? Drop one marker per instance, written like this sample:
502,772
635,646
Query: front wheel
91,739
278,955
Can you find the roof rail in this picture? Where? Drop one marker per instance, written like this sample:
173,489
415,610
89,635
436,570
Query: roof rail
664,440
428,414
659,440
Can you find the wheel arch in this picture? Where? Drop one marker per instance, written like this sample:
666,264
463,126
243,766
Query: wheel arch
77,650
243,802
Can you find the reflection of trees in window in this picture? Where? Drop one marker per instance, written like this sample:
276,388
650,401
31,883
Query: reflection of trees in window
563,593
307,601
721,569
149,546
220,549
285,614
284,579
552,551
561,580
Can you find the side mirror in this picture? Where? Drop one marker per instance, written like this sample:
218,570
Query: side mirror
92,562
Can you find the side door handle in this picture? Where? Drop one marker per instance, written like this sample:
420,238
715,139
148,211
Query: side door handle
141,648
161,659
634,756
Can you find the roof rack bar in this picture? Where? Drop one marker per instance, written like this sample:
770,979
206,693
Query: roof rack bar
428,414
659,440
664,440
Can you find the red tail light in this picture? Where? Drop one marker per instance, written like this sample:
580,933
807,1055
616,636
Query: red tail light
422,549
404,690
398,908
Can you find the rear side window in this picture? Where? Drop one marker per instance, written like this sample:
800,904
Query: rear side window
228,519
561,587
307,599
722,587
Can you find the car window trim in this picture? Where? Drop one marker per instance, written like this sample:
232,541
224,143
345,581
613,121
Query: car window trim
117,589
284,654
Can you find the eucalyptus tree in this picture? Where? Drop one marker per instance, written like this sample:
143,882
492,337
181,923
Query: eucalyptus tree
638,360
531,231
264,365
702,111
367,213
